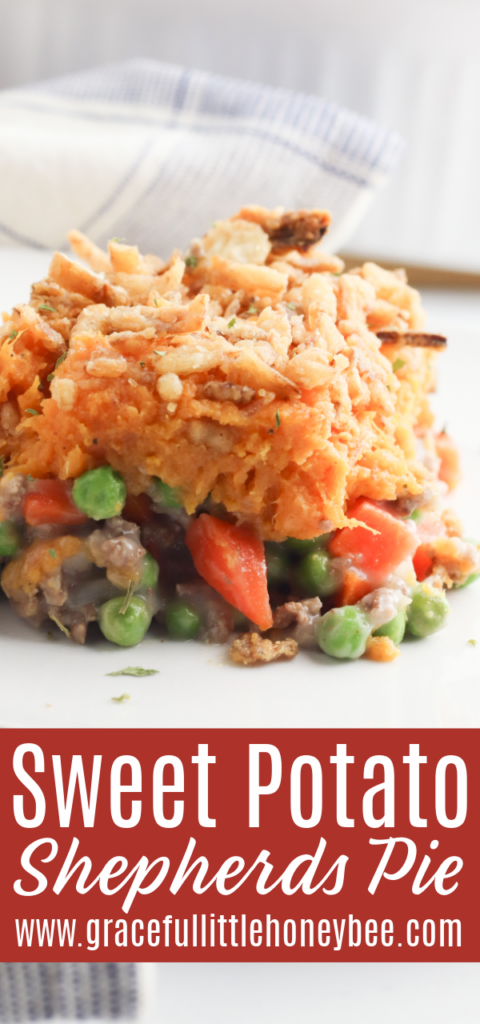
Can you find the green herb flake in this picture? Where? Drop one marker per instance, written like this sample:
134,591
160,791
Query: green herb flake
472,642
252,309
52,552
191,261
12,335
142,363
33,412
50,635
61,359
59,624
45,305
121,698
291,305
128,597
30,477
116,239
397,365
2,465
134,670
155,303
232,322
158,353
277,419
40,387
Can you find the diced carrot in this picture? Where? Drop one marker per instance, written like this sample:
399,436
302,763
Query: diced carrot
232,560
355,586
376,554
422,563
51,502
381,648
137,509
447,452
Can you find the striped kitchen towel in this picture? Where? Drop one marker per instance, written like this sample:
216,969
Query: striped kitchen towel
153,153
36,992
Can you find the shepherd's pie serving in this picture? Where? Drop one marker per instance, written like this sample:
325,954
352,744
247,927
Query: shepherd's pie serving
237,441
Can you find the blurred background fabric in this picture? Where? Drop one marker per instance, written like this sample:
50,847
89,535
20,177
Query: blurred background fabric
412,66
35,992
154,153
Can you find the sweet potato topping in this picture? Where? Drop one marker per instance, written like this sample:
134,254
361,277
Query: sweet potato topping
74,278
452,523
247,370
239,240
88,251
254,280
36,570
453,558
447,452
252,649
381,648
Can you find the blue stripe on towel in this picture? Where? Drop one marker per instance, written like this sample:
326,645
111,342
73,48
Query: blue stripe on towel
35,992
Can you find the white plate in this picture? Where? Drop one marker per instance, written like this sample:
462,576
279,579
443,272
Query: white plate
435,682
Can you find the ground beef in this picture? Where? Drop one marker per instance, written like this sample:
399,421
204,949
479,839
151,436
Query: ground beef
75,620
253,649
12,491
305,615
382,605
164,538
117,549
216,613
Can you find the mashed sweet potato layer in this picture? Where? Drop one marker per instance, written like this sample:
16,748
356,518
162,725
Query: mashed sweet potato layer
250,370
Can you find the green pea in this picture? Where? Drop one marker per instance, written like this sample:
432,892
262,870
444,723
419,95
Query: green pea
10,539
167,496
470,579
428,611
395,629
277,564
303,547
149,570
100,493
316,575
343,632
182,621
126,629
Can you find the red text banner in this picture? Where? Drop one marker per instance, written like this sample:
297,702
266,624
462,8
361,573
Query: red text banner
240,845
